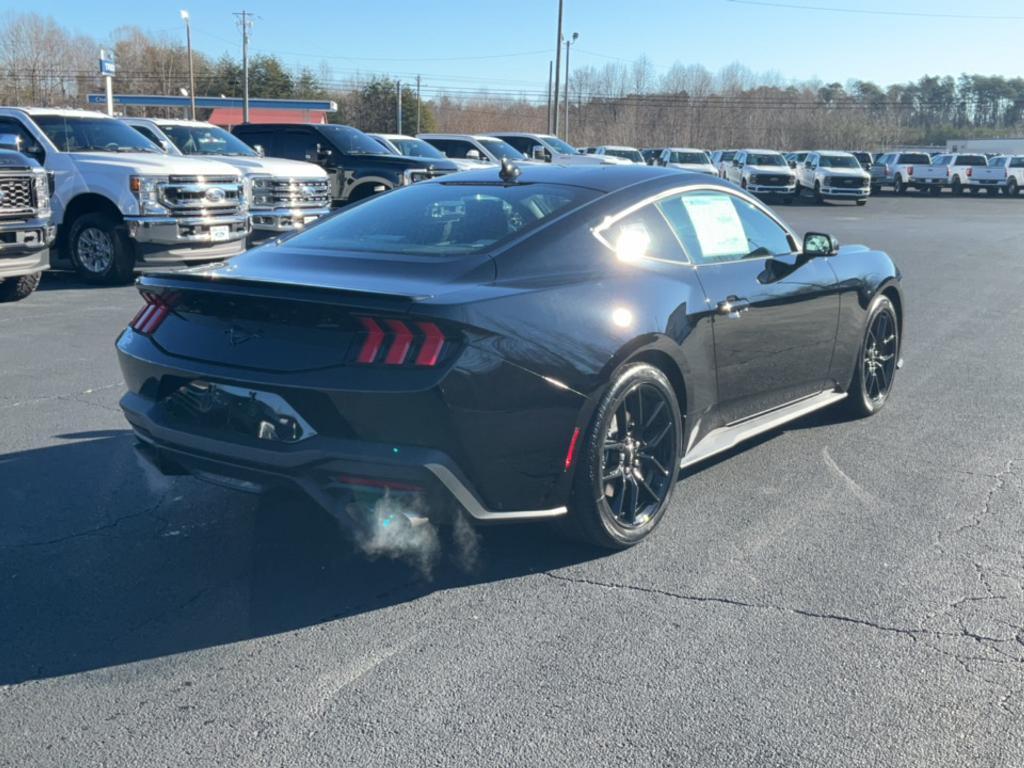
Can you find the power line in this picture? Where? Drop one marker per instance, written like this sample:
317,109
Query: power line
868,12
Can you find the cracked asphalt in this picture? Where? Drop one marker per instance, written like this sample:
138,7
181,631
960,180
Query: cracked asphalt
834,594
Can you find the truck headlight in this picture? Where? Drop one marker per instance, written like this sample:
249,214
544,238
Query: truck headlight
147,192
259,190
42,190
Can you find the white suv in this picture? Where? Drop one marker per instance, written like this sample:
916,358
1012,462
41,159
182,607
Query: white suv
120,203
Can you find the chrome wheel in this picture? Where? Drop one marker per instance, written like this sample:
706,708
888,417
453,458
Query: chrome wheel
880,349
638,455
94,250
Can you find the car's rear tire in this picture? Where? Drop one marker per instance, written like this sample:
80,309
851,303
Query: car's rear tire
877,360
1011,187
17,288
628,460
862,202
897,186
99,249
818,198
957,187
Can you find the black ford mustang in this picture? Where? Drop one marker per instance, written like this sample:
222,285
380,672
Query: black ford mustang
555,343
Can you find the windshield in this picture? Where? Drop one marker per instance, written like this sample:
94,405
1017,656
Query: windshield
350,141
692,158
441,219
416,148
559,146
206,140
93,134
838,161
728,155
500,149
765,159
864,157
629,154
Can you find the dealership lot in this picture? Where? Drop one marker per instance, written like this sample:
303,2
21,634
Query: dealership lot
842,593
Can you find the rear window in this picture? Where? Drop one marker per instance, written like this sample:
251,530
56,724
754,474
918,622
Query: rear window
974,160
694,158
914,157
442,219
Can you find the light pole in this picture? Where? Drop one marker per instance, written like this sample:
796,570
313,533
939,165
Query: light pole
558,69
191,71
568,43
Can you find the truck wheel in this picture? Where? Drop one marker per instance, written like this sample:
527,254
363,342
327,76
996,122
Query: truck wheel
1011,187
817,193
897,186
17,288
99,249
958,188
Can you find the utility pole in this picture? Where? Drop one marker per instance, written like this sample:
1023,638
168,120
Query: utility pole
191,71
568,42
419,102
245,22
558,70
398,101
551,67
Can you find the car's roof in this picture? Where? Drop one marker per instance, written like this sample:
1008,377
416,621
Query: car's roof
833,153
763,151
189,123
685,149
617,146
603,178
62,112
474,136
390,136
520,133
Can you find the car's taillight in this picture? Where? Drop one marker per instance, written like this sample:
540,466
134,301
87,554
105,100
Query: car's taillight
970,172
400,342
910,170
155,311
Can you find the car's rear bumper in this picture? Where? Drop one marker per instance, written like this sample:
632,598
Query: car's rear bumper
487,435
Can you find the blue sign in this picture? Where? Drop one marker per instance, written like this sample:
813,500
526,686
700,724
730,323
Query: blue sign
107,68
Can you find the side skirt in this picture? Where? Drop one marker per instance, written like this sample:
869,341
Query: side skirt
724,438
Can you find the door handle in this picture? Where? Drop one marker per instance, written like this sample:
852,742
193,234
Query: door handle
733,306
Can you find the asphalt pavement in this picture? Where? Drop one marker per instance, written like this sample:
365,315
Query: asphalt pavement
835,594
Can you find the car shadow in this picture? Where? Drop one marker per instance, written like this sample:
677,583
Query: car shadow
103,562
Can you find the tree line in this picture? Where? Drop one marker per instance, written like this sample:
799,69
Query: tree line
41,63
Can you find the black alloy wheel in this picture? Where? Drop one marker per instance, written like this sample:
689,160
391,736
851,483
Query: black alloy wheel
630,461
878,361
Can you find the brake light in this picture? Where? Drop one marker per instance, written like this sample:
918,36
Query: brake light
155,311
418,343
910,170
970,172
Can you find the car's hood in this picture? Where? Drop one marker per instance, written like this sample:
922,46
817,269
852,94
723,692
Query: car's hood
275,166
845,173
143,163
695,167
781,169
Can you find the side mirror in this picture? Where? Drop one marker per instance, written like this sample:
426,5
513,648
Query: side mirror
259,150
736,163
473,154
541,153
792,164
807,164
820,244
10,141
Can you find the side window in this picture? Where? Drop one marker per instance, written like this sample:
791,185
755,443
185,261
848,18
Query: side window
1017,162
263,139
458,148
716,227
145,131
643,234
523,143
297,145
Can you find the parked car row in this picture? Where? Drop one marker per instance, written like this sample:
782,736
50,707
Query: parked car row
959,172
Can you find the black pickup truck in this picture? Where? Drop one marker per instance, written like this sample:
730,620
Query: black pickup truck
357,165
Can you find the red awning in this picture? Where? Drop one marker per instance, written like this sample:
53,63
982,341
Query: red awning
228,117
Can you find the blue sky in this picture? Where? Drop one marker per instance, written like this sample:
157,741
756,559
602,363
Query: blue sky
437,38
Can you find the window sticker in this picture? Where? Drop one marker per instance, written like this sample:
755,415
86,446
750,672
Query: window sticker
717,225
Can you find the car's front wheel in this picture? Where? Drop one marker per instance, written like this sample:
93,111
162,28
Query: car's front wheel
17,288
100,251
878,360
629,460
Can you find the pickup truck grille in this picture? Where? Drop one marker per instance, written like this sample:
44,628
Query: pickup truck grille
773,179
203,195
846,182
17,195
292,193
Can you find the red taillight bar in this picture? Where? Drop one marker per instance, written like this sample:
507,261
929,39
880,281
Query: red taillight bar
400,343
374,340
400,337
155,311
970,171
910,170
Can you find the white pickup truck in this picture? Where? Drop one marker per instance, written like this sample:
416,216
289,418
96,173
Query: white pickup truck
1002,174
954,171
25,229
762,172
832,176
898,170
285,194
119,203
